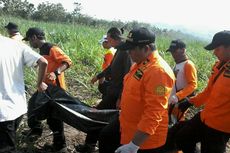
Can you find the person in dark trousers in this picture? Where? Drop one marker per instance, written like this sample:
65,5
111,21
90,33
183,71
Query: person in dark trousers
13,31
58,62
108,57
211,126
186,80
116,71
143,121
13,103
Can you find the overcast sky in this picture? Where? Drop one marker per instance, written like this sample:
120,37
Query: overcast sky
205,16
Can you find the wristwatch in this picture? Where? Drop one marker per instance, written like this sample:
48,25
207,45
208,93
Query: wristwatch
57,72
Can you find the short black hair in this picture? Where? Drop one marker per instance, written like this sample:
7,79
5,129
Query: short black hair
115,33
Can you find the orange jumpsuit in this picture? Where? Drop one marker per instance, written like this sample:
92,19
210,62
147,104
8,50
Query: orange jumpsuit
55,57
108,57
216,99
144,101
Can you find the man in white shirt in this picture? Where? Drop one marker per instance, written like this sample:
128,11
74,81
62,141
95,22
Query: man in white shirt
14,57
186,76
185,85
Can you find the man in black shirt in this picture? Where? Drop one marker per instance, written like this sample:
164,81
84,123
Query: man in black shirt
118,68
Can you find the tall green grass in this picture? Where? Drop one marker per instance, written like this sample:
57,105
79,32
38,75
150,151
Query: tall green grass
81,44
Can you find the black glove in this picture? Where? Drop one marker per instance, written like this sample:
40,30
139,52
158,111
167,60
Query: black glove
184,105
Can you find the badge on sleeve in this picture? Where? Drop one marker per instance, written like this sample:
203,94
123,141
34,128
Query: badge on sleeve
160,90
138,75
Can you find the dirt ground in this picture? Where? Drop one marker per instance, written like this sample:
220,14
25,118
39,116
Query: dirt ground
73,138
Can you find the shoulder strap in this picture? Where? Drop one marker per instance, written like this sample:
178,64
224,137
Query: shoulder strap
222,68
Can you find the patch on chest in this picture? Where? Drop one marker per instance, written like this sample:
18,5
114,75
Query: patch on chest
160,90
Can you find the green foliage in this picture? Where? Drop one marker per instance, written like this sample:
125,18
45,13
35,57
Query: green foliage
80,42
50,12
45,11
17,8
77,9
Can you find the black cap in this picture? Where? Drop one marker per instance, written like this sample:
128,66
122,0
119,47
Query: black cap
137,37
176,44
12,26
220,38
34,31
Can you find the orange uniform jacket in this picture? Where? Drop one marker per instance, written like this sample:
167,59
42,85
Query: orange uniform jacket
189,86
108,57
216,97
55,57
144,101
191,78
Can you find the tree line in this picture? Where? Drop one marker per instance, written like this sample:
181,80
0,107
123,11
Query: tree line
50,12
45,11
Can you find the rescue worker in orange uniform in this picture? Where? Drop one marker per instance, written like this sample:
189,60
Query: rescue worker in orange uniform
143,123
211,126
58,62
104,82
186,78
13,31
186,82
116,71
109,52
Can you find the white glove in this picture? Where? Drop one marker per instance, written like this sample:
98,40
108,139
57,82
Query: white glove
173,99
128,148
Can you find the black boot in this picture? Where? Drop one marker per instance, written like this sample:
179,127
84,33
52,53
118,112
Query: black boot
87,148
